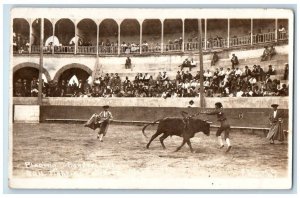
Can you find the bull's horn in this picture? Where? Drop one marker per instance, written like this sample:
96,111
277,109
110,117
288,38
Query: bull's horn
209,122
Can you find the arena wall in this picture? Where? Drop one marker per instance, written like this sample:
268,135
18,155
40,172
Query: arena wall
244,112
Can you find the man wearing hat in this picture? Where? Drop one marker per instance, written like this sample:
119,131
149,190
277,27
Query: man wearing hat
224,125
102,121
105,116
234,60
275,132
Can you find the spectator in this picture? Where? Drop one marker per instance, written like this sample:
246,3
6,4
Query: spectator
266,54
234,60
164,77
271,70
286,72
284,91
272,51
178,77
252,81
255,72
256,92
282,32
128,63
208,74
247,72
18,88
261,73
146,78
238,72
159,76
228,73
214,59
221,74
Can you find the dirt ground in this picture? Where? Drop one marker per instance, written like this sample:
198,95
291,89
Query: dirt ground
72,151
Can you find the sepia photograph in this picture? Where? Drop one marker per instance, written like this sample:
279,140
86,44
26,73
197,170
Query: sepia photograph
151,98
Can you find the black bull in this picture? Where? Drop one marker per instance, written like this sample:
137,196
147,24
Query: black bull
185,128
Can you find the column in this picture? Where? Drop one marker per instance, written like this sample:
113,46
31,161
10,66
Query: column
182,35
76,38
30,35
141,35
251,34
53,35
119,39
162,36
97,40
205,33
41,61
276,30
228,38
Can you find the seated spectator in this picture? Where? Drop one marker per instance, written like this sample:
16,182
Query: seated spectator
239,93
261,73
187,76
193,63
221,74
34,88
272,51
286,72
159,76
216,72
140,78
214,59
284,91
18,88
247,72
266,54
128,63
206,84
238,72
271,70
164,77
255,72
282,32
146,78
187,63
178,77
228,73
208,74
234,60
252,81
256,92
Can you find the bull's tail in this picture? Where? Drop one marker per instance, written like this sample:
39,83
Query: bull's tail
143,130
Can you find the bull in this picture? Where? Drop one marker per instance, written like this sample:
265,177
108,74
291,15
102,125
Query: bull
185,128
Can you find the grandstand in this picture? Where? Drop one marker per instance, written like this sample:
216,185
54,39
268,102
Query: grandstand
84,49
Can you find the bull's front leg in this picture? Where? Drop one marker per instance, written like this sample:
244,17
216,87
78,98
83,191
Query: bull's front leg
182,144
190,145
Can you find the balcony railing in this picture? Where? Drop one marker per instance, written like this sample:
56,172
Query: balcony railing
264,38
87,49
215,44
193,46
172,47
156,48
35,49
282,36
64,49
151,49
240,41
130,50
108,49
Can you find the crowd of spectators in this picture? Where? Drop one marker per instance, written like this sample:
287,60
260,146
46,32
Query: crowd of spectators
222,82
20,43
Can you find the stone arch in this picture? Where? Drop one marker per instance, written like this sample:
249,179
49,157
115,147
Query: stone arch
33,65
70,66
